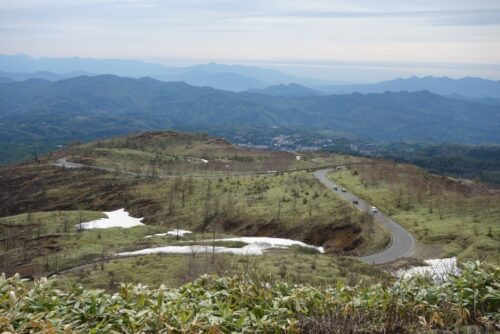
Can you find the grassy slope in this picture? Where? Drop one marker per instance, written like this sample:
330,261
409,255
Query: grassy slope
176,153
292,205
72,247
464,218
293,266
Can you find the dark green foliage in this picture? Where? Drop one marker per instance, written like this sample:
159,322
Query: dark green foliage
87,108
238,304
464,161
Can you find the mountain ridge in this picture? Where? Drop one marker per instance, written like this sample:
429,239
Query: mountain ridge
87,108
233,77
290,90
471,87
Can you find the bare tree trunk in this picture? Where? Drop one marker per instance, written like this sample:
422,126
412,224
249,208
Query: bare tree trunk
400,195
80,220
207,199
183,193
310,206
213,245
171,207
279,209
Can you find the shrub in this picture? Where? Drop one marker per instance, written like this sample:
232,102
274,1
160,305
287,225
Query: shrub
237,304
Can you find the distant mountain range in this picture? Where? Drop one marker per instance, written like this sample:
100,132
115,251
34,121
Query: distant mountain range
45,75
226,77
485,100
5,80
466,87
87,108
238,78
290,90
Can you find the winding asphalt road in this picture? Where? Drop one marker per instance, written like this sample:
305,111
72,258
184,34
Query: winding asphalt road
64,163
402,242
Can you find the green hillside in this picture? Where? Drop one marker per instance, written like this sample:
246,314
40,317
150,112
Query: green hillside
449,216
87,108
161,176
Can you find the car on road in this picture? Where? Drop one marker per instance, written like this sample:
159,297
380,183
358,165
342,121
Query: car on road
374,209
343,190
335,188
355,201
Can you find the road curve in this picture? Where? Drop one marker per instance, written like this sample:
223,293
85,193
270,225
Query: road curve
64,163
402,242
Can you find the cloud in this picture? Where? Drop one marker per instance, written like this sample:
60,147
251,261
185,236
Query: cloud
438,17
444,31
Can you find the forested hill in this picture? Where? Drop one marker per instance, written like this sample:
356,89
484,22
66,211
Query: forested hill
86,108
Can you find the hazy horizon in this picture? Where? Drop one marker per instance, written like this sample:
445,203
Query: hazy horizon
318,71
359,41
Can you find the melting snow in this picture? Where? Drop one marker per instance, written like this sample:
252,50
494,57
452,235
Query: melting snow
118,218
255,246
268,243
438,269
173,232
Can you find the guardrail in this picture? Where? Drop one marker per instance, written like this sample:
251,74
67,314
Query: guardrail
380,250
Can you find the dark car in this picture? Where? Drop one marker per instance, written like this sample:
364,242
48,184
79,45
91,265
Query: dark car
335,188
355,201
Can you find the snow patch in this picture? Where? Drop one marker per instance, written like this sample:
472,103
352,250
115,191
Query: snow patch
255,246
173,232
118,218
269,243
438,269
246,250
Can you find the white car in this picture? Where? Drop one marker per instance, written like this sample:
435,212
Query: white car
374,209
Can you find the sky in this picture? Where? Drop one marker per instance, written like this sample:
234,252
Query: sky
346,41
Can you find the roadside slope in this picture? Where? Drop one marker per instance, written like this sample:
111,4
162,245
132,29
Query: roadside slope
402,242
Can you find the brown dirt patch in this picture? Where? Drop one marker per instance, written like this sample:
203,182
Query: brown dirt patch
335,239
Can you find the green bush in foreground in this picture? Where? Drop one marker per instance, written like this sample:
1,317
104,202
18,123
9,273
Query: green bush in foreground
239,305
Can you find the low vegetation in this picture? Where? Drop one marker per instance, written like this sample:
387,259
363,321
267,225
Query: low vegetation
461,216
158,154
469,302
42,203
50,242
481,162
215,190
295,266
